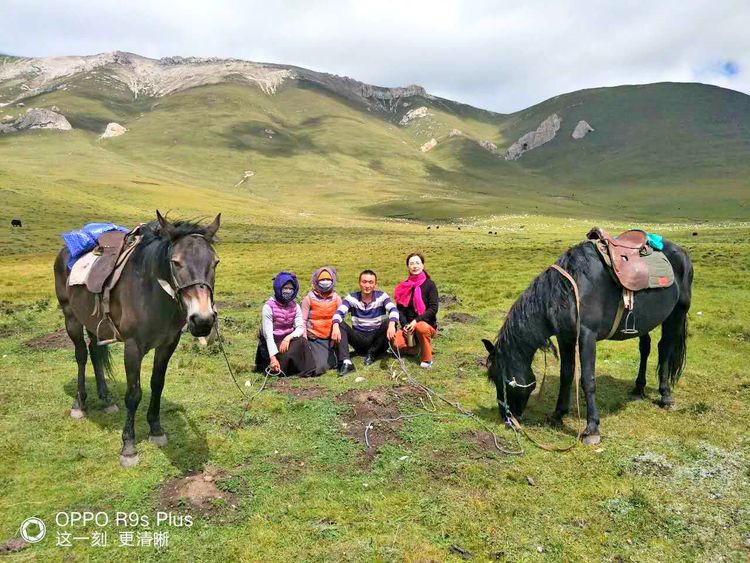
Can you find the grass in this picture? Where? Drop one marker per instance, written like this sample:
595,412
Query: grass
671,485
336,185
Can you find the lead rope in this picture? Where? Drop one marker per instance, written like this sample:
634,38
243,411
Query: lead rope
432,393
267,372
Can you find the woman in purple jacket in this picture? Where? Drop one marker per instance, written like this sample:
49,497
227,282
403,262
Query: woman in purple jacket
281,348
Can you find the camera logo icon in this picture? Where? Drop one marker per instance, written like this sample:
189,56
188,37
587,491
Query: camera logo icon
33,530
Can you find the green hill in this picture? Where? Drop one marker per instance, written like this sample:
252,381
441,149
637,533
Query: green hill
321,145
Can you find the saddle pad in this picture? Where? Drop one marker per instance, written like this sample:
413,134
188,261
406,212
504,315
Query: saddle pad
81,269
660,272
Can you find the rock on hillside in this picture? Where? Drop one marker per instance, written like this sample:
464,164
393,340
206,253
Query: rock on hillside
582,129
413,114
544,133
113,130
37,118
22,78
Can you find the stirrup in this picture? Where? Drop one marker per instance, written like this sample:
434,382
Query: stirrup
629,329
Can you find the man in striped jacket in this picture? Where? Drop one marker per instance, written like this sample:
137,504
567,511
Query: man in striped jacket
374,318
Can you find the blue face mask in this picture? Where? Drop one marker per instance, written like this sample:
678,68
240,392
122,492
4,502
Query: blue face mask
287,294
325,285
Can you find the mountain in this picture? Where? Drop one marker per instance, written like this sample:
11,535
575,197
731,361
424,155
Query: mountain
261,137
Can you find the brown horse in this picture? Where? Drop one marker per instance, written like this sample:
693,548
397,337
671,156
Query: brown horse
167,281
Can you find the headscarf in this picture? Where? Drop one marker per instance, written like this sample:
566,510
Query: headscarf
281,279
404,289
316,275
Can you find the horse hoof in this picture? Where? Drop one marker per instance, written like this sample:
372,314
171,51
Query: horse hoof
666,402
129,460
158,440
591,439
636,395
77,414
111,409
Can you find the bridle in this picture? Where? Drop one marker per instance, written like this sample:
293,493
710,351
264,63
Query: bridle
175,286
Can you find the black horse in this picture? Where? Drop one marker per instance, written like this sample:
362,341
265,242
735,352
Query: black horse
167,281
548,308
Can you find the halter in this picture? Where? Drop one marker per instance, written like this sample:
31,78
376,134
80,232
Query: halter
174,288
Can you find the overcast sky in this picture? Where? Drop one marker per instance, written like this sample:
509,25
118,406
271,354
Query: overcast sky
497,55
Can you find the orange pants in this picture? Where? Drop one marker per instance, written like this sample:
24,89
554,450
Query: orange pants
424,334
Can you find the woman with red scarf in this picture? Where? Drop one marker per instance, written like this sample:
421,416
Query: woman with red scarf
417,301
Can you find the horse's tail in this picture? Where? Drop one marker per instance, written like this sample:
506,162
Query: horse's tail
676,360
102,356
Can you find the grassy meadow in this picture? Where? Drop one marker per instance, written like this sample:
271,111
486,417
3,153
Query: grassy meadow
292,479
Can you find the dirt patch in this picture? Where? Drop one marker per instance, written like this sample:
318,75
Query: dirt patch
650,464
13,545
371,405
58,340
483,443
284,385
448,299
202,492
464,318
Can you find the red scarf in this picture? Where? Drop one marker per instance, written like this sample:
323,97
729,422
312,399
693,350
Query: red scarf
402,293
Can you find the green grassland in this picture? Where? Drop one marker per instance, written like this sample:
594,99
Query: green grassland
334,185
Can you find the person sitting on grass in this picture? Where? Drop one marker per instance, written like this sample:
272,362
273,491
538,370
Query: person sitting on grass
280,347
374,318
318,308
417,301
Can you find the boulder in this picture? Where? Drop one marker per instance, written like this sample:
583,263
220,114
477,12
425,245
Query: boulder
413,114
582,129
488,146
40,118
113,130
543,134
429,145
455,133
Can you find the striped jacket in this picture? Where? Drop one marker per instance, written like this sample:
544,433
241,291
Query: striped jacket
367,317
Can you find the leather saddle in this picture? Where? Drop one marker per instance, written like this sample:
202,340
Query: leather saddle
109,247
624,255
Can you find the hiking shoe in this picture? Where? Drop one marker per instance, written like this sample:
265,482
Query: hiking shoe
426,365
345,367
368,360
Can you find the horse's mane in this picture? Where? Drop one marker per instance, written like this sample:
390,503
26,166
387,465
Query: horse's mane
155,242
543,307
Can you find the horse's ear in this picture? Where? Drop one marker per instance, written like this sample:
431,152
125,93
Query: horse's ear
213,227
165,225
489,345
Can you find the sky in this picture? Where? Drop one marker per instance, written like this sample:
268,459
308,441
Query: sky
498,55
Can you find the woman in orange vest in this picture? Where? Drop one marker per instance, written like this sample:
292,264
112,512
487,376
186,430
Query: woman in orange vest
318,308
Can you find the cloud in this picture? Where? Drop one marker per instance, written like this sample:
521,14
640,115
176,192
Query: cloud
497,55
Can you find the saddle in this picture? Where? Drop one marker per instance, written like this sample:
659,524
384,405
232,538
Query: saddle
624,254
100,270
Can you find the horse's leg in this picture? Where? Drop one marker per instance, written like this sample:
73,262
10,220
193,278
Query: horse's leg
99,357
587,343
133,359
567,368
161,359
75,332
644,346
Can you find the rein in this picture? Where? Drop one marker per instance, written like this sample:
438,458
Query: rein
511,420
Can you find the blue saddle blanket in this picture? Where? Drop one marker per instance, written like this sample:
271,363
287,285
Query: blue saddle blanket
655,241
83,240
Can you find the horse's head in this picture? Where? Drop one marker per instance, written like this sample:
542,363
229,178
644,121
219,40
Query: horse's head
192,264
512,376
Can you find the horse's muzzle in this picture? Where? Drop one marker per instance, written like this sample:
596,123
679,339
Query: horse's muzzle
201,325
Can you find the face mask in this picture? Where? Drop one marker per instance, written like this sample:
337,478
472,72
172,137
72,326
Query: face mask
287,294
325,285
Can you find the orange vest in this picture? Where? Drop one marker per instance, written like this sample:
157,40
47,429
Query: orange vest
320,320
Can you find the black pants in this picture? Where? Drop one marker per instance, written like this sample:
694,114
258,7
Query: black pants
298,359
372,343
